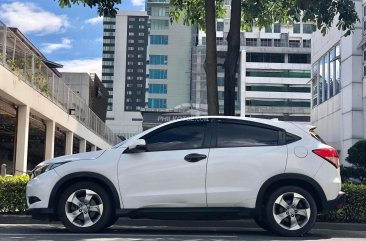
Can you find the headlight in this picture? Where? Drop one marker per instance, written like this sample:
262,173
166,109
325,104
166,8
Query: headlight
42,168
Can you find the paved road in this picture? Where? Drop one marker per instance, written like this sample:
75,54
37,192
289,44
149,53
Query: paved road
43,232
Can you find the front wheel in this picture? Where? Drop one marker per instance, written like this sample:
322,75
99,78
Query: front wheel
85,207
291,211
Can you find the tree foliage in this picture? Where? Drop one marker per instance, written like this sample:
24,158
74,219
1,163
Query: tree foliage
357,157
105,7
266,12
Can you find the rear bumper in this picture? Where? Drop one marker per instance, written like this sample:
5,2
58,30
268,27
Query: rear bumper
41,213
336,203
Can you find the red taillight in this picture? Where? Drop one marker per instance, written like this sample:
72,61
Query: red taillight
329,154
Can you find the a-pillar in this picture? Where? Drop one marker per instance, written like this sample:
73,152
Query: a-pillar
69,142
82,145
22,140
93,148
50,139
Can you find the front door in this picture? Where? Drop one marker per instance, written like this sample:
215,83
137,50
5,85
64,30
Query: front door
171,173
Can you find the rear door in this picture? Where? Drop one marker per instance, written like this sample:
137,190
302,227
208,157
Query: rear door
243,156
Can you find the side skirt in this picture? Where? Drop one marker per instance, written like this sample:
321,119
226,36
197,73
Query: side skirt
201,213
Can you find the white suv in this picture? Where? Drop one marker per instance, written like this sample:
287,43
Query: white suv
279,173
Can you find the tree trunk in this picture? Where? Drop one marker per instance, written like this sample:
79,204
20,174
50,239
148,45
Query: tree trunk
232,56
211,58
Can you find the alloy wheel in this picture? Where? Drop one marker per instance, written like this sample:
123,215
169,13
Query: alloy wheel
291,211
84,208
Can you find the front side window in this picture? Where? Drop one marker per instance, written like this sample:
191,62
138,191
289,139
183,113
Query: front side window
241,135
188,136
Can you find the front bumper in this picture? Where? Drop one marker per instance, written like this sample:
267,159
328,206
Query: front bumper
41,213
336,203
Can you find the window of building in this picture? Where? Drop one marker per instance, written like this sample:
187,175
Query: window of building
141,26
130,56
268,29
141,19
307,28
306,43
251,42
129,70
296,27
131,19
128,107
157,103
158,74
141,41
140,78
299,58
140,71
130,26
140,63
139,85
265,57
141,34
183,137
140,56
278,102
129,92
131,33
279,74
160,11
158,88
277,28
131,41
159,39
128,100
159,59
242,135
140,48
266,42
294,43
129,63
131,48
159,24
129,78
220,26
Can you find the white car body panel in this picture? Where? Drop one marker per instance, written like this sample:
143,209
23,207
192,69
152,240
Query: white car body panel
235,175
162,179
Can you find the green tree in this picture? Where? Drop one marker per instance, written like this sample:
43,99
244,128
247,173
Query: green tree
105,7
357,157
246,13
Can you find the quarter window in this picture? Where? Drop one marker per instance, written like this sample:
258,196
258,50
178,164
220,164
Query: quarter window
189,136
241,135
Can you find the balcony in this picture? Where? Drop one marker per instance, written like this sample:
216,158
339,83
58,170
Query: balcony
25,61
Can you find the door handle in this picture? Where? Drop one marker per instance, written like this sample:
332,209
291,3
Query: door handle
194,157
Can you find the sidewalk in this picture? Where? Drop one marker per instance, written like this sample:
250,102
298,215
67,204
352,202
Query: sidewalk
247,223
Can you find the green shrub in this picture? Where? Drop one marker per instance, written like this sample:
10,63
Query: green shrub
357,157
12,194
354,209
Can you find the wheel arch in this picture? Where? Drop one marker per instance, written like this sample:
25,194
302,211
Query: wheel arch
81,177
293,179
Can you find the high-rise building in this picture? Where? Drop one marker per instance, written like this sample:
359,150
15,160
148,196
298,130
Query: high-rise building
338,84
169,68
125,40
273,71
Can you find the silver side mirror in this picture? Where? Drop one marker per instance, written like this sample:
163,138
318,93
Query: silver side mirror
138,145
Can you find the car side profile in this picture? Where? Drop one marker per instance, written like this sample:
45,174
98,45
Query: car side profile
281,174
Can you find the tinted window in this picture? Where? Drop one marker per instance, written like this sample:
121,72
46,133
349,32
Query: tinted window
189,136
236,135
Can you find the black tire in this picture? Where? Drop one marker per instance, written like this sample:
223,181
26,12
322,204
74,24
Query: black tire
112,221
261,223
303,223
101,220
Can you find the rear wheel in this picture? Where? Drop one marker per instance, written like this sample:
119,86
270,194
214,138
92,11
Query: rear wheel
290,211
85,207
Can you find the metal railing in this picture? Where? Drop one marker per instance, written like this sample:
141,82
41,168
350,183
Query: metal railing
17,57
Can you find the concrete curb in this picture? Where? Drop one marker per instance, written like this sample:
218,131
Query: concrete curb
247,223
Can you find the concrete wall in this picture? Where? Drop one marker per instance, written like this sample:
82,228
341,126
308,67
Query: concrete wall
341,119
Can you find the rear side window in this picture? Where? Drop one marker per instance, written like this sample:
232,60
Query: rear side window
290,138
316,136
241,135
